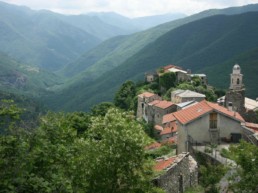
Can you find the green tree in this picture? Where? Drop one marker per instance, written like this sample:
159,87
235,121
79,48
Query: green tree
167,80
101,109
9,115
246,178
117,151
107,157
124,97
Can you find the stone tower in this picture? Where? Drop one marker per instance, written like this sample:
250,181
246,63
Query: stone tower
235,97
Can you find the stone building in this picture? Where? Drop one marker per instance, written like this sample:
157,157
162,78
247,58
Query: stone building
177,173
142,108
235,96
203,78
207,122
181,96
152,108
150,76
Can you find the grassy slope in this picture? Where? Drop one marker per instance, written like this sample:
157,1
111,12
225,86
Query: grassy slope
209,42
118,50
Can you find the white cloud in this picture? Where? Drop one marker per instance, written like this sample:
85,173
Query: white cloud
131,8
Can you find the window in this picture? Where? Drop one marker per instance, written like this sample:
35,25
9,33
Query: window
213,120
238,81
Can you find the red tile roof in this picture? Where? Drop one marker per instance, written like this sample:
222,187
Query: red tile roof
171,66
225,111
164,104
153,146
154,102
169,130
252,126
171,140
146,94
168,118
159,128
187,115
164,163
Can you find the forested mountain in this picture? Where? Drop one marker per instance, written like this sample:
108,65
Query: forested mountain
115,51
52,40
36,37
24,79
200,45
138,23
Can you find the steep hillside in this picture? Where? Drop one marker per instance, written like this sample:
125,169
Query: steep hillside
37,37
117,50
95,26
24,79
151,21
209,42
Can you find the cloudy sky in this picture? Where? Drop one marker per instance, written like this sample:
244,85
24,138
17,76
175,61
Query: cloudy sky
130,8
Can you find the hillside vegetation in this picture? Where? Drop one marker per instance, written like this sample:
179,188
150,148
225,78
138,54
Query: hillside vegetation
209,42
18,78
115,51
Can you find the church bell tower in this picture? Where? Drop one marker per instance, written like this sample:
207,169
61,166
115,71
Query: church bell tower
235,97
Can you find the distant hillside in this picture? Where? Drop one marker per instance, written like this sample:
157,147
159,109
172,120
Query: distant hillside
37,37
24,79
139,23
115,51
151,21
204,44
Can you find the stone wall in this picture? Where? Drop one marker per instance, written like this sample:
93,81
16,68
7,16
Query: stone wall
179,176
237,97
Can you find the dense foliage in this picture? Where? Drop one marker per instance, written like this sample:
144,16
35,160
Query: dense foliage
75,152
246,177
124,97
167,80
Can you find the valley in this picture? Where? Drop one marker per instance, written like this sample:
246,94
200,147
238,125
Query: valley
91,55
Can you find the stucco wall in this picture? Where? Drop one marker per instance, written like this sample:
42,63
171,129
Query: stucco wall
199,130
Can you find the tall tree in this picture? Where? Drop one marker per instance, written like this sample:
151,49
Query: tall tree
167,80
124,97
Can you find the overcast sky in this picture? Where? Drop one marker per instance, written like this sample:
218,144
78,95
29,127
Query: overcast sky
129,8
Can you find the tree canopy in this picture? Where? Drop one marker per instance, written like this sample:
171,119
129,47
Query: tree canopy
77,153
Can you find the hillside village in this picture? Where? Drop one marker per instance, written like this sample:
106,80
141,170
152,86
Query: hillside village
189,121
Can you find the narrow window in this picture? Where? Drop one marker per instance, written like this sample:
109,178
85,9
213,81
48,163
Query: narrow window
238,81
213,120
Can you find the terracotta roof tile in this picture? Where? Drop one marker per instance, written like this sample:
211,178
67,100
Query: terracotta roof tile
164,163
168,118
154,102
169,130
171,140
153,146
187,115
164,104
146,94
171,66
252,126
227,112
158,128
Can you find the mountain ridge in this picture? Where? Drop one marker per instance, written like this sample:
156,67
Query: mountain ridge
163,51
